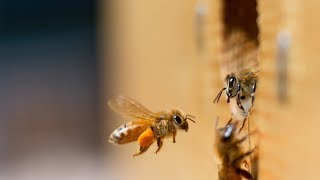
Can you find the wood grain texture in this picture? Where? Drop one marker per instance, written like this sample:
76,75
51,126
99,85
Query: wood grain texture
240,33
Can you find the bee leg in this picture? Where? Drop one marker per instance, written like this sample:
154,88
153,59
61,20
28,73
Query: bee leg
242,126
145,140
243,173
239,103
159,143
245,162
174,136
141,150
245,137
240,171
236,161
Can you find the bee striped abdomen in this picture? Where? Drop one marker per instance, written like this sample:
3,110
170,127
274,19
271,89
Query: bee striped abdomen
127,133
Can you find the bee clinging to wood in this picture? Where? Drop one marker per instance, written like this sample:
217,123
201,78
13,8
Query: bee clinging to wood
230,153
241,86
146,126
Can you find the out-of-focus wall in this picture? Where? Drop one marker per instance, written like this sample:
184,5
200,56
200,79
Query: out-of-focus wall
289,142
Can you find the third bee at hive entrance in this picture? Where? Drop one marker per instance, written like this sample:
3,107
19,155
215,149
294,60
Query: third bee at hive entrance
231,154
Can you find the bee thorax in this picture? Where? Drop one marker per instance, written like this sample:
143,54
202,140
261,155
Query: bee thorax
163,128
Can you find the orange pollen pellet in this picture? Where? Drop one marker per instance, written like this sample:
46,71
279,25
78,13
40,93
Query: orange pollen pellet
146,138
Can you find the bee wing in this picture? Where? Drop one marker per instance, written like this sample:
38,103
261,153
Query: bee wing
129,132
250,81
248,74
130,107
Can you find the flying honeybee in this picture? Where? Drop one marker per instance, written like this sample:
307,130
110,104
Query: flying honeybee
230,153
146,126
241,86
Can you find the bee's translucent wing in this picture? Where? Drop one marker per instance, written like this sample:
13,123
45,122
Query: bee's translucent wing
130,107
248,73
249,79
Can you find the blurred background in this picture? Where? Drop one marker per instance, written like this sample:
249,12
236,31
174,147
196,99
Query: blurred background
61,60
50,90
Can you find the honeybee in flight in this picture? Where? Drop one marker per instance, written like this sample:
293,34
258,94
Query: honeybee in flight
146,126
241,86
230,153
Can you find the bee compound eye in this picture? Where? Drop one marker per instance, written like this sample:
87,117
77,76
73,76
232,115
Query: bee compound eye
254,88
232,81
228,132
177,119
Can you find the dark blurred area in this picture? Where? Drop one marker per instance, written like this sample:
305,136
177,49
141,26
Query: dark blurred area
49,81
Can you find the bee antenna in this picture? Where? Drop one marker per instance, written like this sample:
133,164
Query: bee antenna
190,117
216,100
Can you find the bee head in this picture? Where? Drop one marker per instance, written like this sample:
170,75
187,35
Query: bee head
226,133
233,86
180,121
